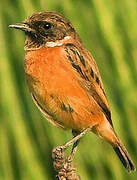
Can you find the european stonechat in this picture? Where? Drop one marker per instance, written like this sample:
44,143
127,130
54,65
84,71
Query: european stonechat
64,80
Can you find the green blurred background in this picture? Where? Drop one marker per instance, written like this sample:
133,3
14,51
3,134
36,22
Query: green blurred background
108,28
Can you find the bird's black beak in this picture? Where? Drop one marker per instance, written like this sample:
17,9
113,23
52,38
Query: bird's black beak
22,26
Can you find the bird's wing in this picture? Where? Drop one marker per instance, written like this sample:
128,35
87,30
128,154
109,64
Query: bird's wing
90,79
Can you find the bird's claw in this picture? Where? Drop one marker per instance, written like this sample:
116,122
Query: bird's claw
70,158
58,152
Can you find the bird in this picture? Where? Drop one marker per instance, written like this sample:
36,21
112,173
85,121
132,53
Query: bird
65,82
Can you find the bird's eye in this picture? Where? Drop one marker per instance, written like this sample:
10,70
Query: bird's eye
47,25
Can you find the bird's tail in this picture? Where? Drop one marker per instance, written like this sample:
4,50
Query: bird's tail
124,156
107,132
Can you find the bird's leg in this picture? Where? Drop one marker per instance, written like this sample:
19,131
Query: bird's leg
74,147
63,165
75,139
73,151
57,152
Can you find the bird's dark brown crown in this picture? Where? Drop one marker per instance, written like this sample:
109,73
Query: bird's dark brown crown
43,27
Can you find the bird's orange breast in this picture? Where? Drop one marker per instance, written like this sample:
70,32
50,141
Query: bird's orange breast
56,86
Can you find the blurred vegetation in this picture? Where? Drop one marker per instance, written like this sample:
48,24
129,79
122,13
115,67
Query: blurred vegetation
109,29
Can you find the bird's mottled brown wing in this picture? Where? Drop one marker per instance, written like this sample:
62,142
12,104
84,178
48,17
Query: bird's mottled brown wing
90,79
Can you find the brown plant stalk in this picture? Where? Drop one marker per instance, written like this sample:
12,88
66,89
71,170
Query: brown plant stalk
63,166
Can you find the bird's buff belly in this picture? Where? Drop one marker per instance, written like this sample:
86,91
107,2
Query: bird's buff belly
62,109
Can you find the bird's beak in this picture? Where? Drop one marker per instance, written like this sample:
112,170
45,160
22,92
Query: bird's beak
22,26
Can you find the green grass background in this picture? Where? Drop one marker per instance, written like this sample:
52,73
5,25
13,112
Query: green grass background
108,28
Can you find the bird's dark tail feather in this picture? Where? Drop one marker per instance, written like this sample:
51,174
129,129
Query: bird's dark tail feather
124,156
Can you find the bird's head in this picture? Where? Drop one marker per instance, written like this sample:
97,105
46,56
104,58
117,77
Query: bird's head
45,28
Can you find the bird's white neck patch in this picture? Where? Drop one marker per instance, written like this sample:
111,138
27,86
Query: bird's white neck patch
58,42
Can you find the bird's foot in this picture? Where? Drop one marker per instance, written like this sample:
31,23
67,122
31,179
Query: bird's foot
58,157
58,152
